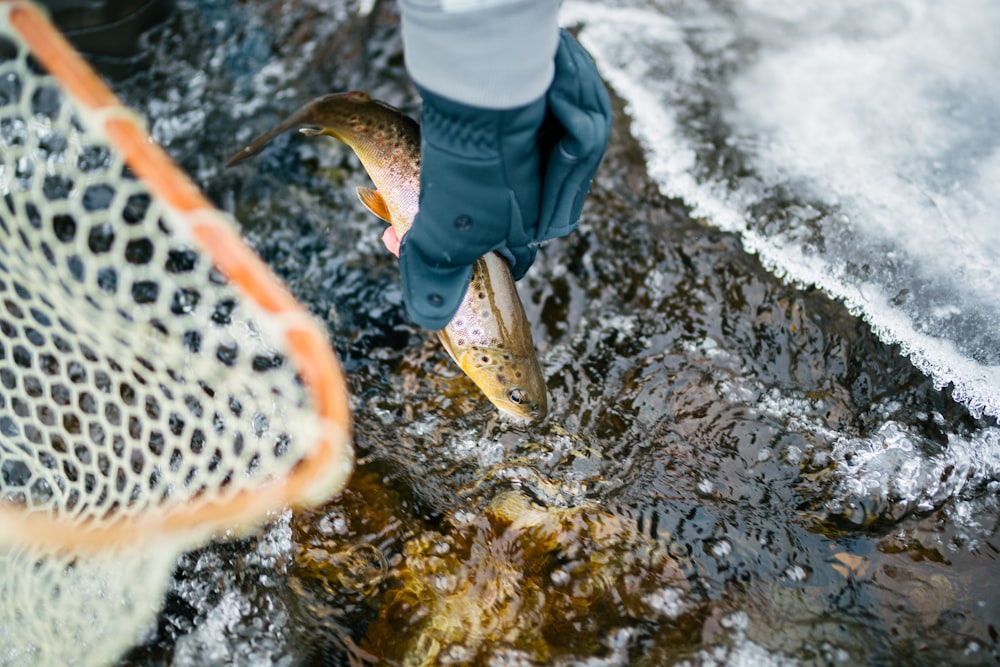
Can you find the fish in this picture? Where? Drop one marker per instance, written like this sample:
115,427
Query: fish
490,336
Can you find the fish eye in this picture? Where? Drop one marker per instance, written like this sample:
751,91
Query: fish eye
516,396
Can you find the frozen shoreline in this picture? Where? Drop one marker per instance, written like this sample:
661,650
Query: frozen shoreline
881,122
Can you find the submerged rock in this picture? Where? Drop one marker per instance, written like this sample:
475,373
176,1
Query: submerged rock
544,582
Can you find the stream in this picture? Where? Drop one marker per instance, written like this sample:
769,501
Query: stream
773,390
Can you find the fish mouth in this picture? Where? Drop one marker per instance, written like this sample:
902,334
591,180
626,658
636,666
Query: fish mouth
526,414
319,130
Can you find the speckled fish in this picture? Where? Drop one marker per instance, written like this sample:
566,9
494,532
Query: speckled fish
489,336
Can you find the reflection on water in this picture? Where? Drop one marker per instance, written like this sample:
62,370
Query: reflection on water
734,470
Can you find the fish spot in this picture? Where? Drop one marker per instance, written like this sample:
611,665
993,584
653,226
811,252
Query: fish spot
461,341
485,359
359,128
518,374
506,357
482,295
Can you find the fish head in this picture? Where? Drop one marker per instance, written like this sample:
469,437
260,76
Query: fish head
386,140
359,121
513,383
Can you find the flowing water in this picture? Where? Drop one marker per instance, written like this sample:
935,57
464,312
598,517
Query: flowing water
772,375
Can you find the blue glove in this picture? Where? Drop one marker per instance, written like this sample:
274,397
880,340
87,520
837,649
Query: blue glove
480,190
581,111
500,179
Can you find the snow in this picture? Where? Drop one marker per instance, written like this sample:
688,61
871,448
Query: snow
860,152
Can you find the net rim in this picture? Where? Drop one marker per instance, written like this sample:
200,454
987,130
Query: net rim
314,477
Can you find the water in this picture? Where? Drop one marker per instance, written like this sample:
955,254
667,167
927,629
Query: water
853,144
744,464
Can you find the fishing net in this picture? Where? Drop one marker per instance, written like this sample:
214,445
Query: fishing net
157,385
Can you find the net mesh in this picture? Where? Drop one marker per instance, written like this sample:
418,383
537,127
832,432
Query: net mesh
156,384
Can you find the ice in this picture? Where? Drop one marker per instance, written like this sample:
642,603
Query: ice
206,644
229,612
854,145
896,472
893,472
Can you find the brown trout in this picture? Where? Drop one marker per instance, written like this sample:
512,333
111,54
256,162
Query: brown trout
489,337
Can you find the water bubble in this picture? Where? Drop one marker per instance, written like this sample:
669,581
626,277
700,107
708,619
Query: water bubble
667,601
445,584
456,654
722,549
334,523
559,577
834,653
738,621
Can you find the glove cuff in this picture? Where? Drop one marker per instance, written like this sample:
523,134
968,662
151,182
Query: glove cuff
494,57
458,128
474,132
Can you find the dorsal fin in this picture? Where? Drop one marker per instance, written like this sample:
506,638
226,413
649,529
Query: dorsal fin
373,202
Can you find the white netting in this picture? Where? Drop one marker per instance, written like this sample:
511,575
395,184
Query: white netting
61,609
145,401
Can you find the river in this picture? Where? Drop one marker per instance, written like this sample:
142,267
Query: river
771,348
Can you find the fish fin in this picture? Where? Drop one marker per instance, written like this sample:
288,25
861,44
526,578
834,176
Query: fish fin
373,202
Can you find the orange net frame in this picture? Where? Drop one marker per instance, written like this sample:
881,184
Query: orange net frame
47,452
158,385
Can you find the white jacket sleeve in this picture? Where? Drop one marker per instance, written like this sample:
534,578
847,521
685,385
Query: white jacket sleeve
496,54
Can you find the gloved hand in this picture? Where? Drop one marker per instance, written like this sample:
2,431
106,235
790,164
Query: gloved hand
500,179
580,124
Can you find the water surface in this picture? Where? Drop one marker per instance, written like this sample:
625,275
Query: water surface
736,468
